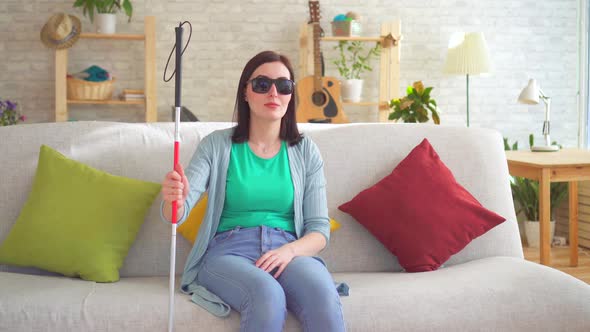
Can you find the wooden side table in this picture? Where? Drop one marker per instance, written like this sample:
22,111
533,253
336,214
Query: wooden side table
567,165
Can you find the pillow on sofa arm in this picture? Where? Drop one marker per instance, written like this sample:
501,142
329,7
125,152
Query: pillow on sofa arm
77,220
420,213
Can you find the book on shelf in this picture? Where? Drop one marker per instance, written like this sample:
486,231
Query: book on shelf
131,94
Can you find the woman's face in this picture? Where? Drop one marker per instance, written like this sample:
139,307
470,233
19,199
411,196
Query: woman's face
270,105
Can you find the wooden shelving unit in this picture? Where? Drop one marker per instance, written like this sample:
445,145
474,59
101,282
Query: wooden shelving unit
389,73
150,101
107,102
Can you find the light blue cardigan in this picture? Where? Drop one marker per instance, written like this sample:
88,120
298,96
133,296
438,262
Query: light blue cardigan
208,170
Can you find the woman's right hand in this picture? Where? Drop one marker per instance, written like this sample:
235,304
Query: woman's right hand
175,187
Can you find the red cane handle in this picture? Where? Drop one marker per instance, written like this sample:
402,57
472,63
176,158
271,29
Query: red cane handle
174,203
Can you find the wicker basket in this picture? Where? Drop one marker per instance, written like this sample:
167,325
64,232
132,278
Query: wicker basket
88,90
346,28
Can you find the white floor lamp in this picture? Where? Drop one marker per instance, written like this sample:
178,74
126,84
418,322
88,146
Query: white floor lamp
467,55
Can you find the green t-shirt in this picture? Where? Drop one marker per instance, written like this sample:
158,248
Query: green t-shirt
258,191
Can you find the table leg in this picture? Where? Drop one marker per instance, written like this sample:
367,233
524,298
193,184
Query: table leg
544,215
573,209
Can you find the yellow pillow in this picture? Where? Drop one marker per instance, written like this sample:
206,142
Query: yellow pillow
190,227
334,225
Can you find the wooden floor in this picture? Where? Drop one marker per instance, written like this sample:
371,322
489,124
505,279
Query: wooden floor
560,260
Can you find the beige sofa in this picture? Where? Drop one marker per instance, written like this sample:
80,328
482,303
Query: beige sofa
486,286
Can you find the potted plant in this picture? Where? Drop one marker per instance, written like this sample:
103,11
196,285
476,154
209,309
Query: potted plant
416,106
9,113
525,194
105,12
354,60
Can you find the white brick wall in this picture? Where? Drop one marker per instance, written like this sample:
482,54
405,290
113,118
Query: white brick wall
526,39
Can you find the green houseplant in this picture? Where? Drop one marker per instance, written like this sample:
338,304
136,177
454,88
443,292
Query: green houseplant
353,61
525,194
104,7
416,106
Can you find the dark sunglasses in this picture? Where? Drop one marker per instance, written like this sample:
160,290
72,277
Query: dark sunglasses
262,84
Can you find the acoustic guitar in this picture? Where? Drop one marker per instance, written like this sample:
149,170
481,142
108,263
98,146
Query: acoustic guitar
318,97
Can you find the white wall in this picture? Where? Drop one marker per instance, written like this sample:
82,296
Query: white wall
526,39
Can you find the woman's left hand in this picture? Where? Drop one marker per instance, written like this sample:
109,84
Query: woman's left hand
279,257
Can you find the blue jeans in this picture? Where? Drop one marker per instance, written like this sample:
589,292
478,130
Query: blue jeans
305,287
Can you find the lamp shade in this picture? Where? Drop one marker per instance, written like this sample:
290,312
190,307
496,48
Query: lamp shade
467,54
530,93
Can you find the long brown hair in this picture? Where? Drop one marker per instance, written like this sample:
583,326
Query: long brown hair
289,131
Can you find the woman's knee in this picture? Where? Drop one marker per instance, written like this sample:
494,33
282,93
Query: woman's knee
312,295
265,309
307,273
268,296
320,312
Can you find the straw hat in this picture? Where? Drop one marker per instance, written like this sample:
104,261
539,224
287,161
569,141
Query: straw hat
61,31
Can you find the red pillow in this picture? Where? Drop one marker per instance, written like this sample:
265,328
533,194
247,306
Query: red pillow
420,212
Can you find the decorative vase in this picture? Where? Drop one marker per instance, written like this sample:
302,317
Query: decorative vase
105,23
351,90
531,229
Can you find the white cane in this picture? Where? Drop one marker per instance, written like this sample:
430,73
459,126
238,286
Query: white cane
177,109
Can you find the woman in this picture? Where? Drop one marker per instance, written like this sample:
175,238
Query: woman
266,216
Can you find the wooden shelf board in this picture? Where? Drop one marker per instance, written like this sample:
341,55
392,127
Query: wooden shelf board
382,105
108,102
368,39
361,103
117,36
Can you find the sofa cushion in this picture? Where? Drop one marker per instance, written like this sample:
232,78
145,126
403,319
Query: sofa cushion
133,304
498,293
420,212
77,221
489,294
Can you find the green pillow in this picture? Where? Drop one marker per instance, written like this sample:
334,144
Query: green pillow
77,221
